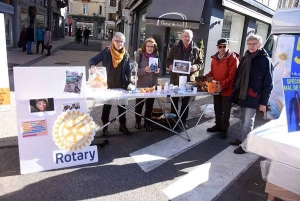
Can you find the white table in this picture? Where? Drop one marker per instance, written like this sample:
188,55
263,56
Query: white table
121,96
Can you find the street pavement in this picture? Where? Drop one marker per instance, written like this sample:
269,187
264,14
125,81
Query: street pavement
205,169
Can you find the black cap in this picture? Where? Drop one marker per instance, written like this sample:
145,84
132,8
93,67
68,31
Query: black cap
222,42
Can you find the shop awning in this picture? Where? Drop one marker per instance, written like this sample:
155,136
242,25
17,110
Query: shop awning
167,13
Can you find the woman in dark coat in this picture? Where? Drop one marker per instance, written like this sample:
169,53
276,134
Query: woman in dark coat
22,39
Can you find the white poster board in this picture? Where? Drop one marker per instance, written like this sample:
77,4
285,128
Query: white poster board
4,81
49,102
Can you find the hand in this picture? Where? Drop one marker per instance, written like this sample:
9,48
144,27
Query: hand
147,69
262,108
192,69
157,71
170,68
219,87
93,66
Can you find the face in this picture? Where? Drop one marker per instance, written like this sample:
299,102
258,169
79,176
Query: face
223,48
41,105
186,38
149,47
118,43
253,45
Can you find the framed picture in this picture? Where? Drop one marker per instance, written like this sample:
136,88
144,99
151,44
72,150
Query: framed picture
180,66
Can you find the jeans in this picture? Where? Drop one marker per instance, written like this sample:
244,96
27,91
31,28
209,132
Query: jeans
86,41
106,111
247,118
148,110
38,45
28,47
185,102
222,109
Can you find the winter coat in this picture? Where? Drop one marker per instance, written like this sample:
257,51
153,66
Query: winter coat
86,33
195,57
48,38
30,34
22,38
105,57
223,70
146,79
40,32
260,81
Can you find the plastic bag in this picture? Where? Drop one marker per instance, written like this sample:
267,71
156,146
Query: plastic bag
97,78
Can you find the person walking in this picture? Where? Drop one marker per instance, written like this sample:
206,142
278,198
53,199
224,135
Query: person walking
86,35
185,50
29,38
79,35
48,40
252,86
40,32
116,60
146,78
22,38
223,67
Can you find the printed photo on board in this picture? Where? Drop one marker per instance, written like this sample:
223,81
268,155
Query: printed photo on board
41,105
73,82
180,66
71,106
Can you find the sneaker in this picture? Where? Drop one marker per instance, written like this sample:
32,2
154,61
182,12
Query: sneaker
235,143
239,150
214,129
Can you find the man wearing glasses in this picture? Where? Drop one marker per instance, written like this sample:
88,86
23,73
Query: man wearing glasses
116,60
223,67
253,83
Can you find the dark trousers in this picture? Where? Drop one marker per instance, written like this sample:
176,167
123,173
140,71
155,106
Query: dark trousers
24,47
185,102
86,41
106,111
38,45
148,110
222,109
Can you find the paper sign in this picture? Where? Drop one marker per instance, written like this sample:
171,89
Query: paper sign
296,58
34,128
4,96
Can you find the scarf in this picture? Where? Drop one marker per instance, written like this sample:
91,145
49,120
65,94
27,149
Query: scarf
244,74
187,48
117,56
148,55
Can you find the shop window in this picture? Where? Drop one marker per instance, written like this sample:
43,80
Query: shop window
270,43
142,27
262,30
231,32
111,16
85,9
83,25
70,8
113,3
40,19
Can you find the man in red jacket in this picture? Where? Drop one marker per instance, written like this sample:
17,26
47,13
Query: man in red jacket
223,66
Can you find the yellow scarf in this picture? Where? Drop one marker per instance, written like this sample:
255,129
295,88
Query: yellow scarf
116,56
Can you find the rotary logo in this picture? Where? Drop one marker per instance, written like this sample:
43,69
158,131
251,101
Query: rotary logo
73,130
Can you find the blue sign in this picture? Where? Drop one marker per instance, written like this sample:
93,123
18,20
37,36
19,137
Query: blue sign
295,68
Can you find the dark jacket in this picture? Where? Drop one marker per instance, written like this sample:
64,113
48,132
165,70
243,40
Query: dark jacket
23,37
105,57
146,79
195,57
86,33
260,82
223,70
30,34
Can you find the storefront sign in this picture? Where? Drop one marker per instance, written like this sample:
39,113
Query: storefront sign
171,23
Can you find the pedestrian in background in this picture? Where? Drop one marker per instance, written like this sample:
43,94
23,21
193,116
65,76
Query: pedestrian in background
29,38
185,50
252,87
223,67
116,60
79,35
22,38
40,32
146,78
48,40
86,35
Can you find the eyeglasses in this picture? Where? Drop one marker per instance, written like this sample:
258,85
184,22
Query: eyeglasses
252,44
149,46
222,46
119,41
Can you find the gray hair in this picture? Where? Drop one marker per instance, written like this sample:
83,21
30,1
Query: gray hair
188,31
255,37
119,35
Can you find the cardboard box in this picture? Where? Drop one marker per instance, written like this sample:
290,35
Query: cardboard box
281,193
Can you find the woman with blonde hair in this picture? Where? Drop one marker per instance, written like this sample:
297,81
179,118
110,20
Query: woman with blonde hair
146,78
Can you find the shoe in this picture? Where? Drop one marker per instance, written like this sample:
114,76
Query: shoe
124,129
223,134
235,143
239,150
148,127
214,129
138,126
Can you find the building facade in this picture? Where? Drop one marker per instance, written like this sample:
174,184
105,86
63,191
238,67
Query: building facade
110,23
210,20
87,14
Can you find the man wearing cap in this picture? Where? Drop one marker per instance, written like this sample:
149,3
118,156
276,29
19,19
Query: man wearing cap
223,66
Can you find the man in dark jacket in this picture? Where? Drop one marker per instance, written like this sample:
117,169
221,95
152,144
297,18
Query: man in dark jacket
29,38
116,60
223,68
185,50
252,87
86,35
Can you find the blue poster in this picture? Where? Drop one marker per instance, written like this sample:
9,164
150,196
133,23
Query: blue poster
295,69
291,90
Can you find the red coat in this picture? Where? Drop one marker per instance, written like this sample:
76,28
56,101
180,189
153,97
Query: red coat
223,70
